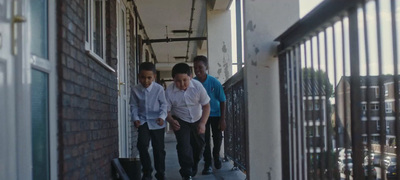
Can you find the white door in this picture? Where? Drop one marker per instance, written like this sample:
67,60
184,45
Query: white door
123,94
14,92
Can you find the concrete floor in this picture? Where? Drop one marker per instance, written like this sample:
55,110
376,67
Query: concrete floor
227,172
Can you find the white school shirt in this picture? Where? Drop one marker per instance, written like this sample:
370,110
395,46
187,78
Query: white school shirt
187,104
149,104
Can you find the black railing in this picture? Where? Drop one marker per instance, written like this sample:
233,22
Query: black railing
236,130
341,58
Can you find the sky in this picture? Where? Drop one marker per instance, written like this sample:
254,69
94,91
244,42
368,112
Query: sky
307,5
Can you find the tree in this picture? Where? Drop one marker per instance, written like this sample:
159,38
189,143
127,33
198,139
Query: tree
321,77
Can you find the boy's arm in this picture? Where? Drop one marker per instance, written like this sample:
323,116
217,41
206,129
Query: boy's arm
163,105
222,100
163,108
204,117
174,123
134,109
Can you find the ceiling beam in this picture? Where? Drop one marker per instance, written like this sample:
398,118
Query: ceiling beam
167,40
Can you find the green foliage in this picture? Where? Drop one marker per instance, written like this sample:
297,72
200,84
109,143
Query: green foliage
321,77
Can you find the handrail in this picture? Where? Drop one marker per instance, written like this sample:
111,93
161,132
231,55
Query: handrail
323,15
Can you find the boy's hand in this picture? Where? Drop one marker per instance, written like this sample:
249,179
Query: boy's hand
201,128
222,124
136,123
160,121
175,125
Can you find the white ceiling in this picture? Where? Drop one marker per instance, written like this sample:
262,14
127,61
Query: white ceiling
157,15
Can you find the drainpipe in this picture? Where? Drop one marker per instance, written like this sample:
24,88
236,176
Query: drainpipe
190,29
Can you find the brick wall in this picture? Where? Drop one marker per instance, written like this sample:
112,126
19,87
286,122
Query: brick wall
87,97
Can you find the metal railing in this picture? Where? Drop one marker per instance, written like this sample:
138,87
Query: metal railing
235,137
340,91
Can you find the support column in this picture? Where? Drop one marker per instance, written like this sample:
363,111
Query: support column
263,22
219,44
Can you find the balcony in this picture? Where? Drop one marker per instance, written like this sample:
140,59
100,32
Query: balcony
349,52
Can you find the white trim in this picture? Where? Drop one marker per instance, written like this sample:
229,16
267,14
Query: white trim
89,44
123,98
99,60
22,96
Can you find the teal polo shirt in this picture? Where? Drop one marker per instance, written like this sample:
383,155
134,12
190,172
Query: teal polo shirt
216,92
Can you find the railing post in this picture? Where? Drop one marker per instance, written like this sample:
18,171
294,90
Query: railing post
355,97
284,116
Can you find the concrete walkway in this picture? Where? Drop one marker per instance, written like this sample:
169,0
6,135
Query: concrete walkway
227,172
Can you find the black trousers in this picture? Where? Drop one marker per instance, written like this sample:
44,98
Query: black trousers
157,141
190,146
212,125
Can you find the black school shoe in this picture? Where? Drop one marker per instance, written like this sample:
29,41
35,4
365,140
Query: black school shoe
194,170
217,163
160,176
207,170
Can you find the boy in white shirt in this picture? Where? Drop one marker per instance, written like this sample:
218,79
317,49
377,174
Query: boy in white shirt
188,111
149,110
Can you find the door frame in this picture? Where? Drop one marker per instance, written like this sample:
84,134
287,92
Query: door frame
123,123
48,66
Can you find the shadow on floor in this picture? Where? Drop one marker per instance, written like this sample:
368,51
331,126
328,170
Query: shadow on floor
227,172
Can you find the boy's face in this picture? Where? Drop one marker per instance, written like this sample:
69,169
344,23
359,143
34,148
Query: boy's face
200,69
146,77
182,81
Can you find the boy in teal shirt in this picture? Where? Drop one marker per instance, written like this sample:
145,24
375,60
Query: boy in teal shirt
216,121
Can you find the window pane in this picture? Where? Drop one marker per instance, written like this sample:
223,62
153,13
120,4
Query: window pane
98,29
40,123
39,28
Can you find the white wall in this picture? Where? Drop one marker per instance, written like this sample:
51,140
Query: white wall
263,22
219,44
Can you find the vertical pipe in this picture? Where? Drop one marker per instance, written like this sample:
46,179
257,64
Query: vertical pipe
137,42
239,34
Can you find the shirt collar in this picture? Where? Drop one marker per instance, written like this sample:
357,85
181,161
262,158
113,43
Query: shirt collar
148,89
190,86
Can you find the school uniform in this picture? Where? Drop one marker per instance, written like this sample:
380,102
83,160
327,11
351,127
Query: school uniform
147,105
186,107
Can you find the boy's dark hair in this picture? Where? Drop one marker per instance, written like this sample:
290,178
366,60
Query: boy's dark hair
202,59
181,68
147,66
